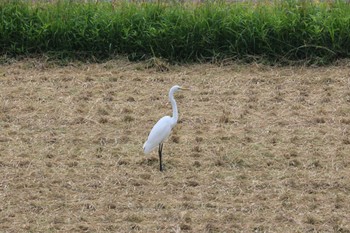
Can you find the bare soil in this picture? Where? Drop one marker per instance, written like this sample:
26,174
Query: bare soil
256,149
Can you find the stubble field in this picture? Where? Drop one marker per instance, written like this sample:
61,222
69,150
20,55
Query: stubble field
257,148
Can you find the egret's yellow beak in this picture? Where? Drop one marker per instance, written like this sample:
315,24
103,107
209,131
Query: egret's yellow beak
185,89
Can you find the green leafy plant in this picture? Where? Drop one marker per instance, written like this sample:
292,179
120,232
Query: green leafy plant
277,32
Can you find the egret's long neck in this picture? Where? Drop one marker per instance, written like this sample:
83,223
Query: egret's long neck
173,104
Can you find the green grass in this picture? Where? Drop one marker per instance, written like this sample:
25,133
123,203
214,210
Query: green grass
279,32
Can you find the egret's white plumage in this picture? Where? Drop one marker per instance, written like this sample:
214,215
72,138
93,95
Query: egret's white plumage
162,129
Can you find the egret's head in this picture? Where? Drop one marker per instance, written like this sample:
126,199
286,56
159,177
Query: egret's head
177,88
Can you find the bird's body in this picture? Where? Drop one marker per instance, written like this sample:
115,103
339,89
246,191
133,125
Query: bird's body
162,129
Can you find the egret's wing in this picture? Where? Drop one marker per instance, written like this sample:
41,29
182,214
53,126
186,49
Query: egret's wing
158,134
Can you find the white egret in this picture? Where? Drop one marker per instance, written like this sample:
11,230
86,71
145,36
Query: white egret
162,129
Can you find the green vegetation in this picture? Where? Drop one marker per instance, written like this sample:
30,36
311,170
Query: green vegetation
283,31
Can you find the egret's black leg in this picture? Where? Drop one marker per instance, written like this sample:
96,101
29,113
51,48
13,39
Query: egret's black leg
160,156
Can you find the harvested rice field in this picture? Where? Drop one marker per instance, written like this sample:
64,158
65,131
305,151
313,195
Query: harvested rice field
256,149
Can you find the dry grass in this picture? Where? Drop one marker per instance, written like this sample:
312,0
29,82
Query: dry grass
257,149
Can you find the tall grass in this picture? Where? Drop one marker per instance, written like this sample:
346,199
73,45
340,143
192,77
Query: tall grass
279,31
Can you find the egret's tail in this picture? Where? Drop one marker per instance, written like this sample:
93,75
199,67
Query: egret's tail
147,148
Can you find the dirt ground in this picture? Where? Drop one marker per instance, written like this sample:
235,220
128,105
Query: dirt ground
256,149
